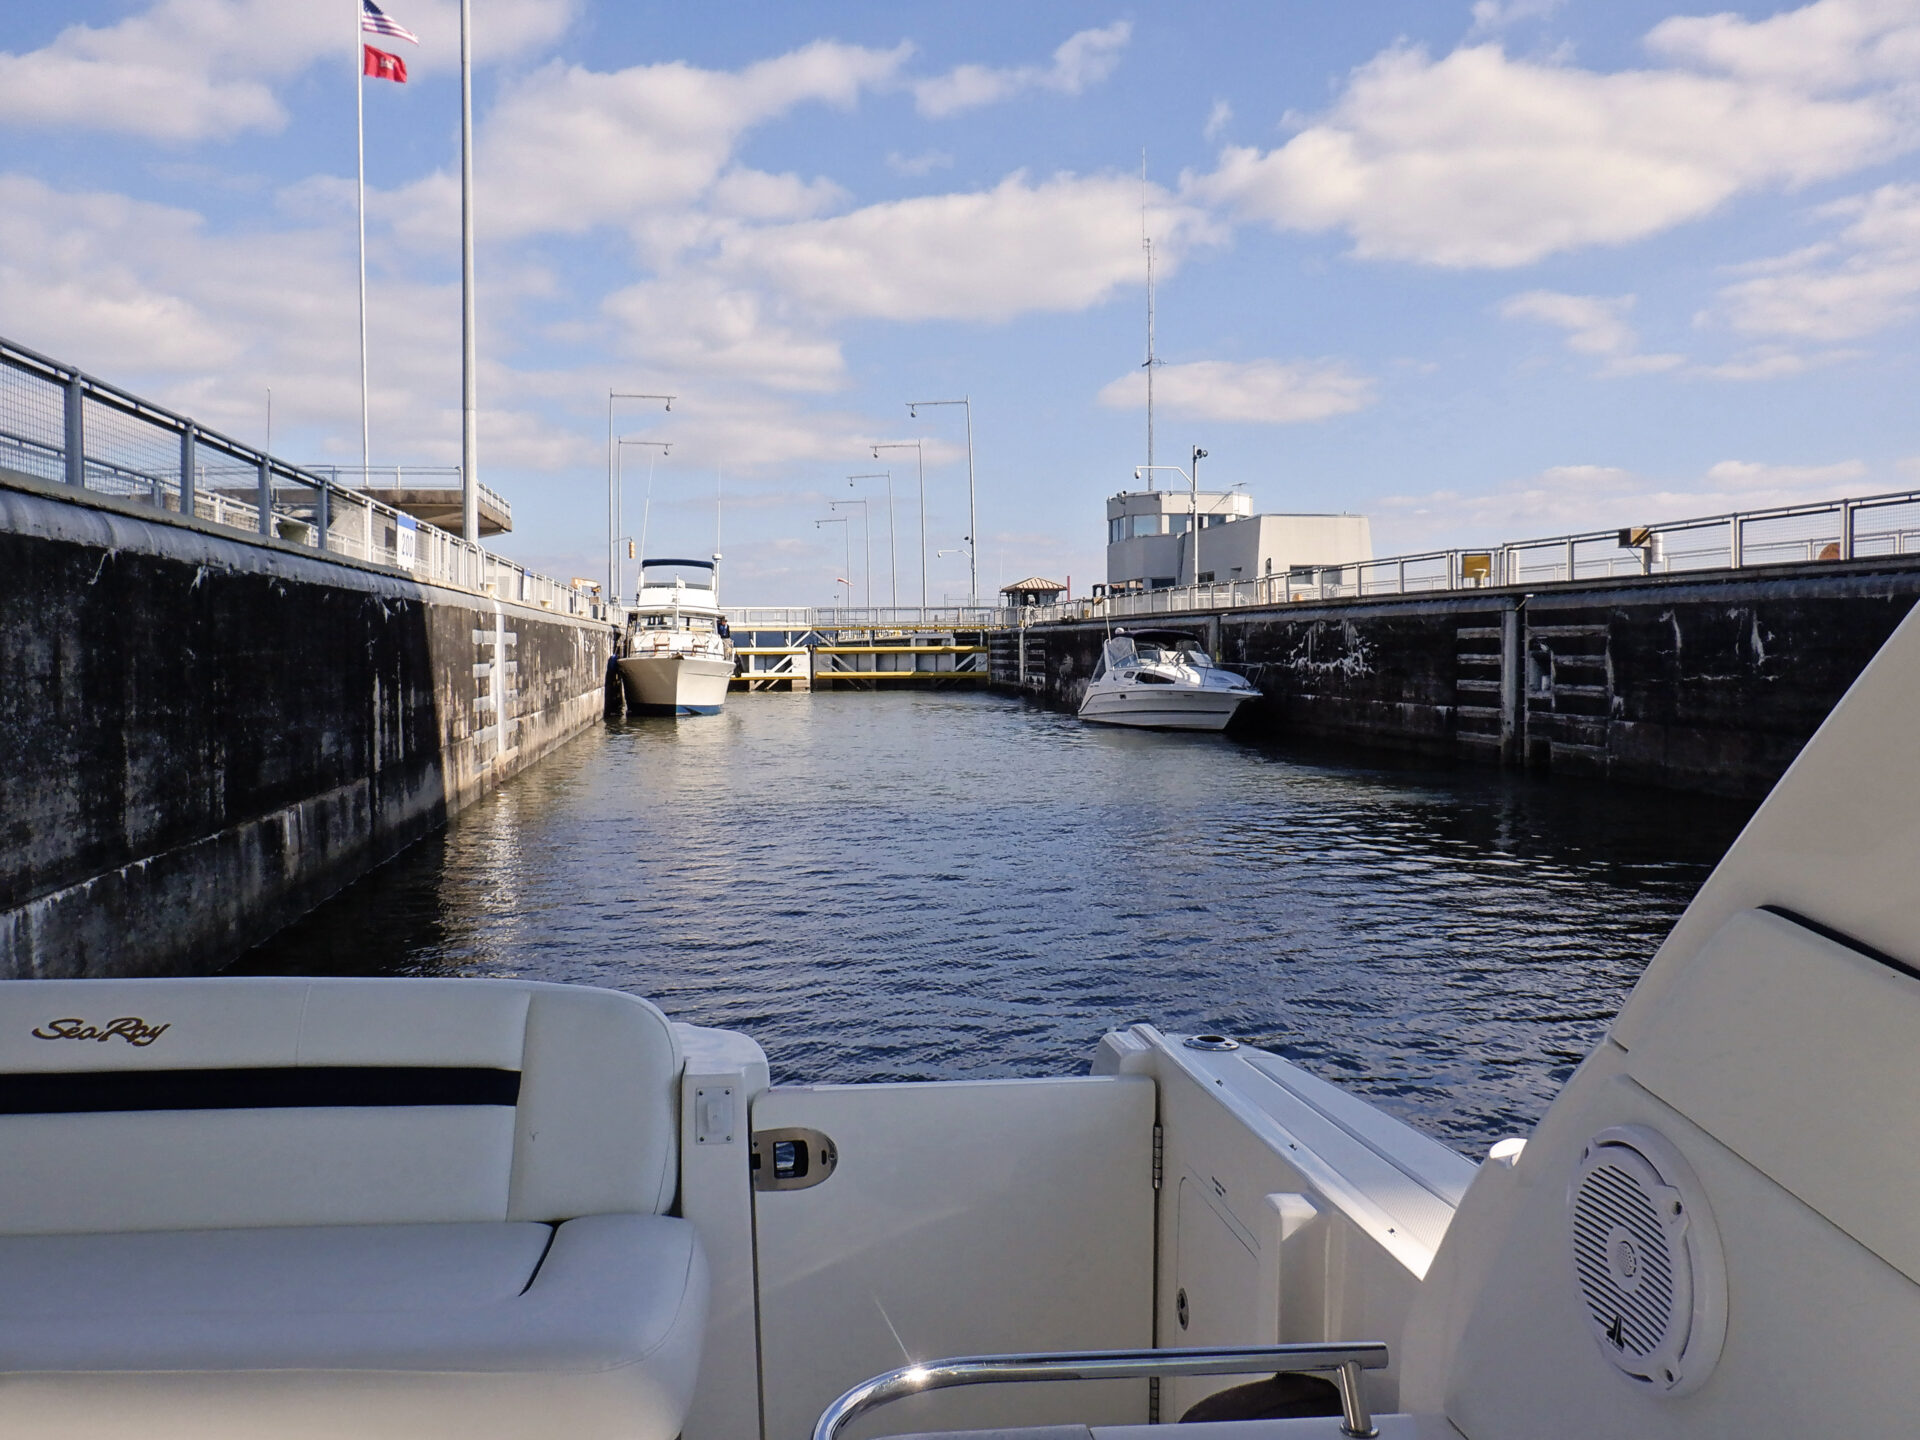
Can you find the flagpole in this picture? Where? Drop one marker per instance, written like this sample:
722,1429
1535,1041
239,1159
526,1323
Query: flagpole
360,148
469,399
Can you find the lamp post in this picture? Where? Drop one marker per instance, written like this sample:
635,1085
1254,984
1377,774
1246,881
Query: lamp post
866,529
920,460
1193,499
893,555
619,496
846,534
966,550
973,585
613,524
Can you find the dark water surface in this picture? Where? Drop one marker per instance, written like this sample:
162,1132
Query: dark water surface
936,886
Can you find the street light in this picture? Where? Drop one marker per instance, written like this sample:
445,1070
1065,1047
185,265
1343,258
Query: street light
1193,499
966,550
921,460
613,524
866,528
893,555
619,498
846,534
973,529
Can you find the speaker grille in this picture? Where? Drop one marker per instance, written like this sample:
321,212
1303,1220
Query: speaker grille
1646,1259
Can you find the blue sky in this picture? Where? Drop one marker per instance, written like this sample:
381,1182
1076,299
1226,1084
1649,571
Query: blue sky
1481,271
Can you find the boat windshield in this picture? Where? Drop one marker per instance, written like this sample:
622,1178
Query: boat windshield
1168,651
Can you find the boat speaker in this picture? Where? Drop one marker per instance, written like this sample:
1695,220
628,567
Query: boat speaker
1648,1260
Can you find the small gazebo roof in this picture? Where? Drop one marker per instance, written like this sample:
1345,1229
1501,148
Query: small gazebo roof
1031,583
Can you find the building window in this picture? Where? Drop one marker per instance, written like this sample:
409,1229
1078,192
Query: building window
1116,531
1178,524
1161,582
1145,524
1206,577
1207,522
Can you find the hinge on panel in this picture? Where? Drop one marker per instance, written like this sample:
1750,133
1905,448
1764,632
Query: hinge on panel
1153,1398
1157,1149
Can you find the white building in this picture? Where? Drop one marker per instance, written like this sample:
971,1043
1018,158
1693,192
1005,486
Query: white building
1150,544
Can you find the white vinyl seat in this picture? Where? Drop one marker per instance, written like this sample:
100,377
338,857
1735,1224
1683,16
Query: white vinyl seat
341,1208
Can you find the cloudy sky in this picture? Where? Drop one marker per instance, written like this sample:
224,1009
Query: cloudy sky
1482,271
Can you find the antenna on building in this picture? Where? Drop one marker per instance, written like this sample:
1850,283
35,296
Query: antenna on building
1146,243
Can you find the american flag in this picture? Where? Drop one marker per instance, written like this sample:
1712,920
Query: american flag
374,19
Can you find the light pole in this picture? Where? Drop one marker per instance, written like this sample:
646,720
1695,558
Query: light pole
966,550
1193,499
973,586
866,529
846,534
613,524
619,497
893,555
920,460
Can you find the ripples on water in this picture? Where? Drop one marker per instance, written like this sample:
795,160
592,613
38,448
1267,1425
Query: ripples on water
937,886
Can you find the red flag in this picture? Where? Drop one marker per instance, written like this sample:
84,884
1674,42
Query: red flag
383,65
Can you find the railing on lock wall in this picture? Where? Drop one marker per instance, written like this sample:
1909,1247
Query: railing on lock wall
1844,529
58,424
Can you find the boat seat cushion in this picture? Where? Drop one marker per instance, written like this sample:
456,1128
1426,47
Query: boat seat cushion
193,1104
479,1330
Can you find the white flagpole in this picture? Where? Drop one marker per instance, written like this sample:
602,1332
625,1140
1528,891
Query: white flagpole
469,398
360,145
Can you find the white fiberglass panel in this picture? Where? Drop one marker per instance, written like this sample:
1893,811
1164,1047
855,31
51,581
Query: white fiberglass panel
1798,1055
962,1218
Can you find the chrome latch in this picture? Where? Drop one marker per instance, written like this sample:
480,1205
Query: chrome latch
792,1158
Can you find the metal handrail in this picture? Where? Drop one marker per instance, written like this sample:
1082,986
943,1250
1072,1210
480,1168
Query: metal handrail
1343,1361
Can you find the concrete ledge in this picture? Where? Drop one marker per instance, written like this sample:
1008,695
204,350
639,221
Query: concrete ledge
209,732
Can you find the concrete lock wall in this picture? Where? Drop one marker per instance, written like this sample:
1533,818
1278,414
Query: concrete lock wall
206,735
1707,683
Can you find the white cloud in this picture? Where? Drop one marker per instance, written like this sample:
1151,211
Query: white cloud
1059,245
567,149
186,70
699,326
152,298
1083,59
1864,280
1218,119
1494,15
1482,160
1595,324
924,163
1261,392
1831,46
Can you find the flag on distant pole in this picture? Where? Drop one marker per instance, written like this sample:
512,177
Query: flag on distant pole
376,21
383,65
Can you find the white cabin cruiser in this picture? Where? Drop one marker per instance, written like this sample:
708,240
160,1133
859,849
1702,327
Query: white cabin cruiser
246,1206
1162,680
678,657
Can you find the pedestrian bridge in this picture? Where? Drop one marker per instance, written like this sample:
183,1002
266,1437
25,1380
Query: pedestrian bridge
803,648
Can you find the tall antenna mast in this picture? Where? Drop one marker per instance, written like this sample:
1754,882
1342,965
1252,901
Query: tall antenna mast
1146,243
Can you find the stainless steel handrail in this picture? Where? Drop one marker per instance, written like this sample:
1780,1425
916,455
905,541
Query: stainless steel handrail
1343,1362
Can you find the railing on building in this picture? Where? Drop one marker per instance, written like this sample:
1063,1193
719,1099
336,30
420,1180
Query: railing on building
60,425
411,477
1846,529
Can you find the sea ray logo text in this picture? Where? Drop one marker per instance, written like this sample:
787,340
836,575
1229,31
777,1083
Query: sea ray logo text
130,1028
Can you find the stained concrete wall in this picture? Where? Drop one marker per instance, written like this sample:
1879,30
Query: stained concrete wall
1706,683
205,735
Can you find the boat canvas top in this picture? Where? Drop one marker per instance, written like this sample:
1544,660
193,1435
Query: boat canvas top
695,595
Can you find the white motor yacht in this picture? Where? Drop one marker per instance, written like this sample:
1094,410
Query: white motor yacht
1162,680
395,1208
678,659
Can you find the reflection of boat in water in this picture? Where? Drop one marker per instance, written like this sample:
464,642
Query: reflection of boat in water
1162,680
678,656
